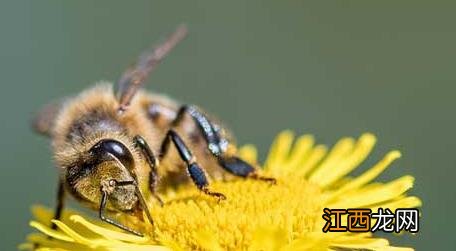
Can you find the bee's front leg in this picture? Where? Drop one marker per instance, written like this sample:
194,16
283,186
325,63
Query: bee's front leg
106,189
152,162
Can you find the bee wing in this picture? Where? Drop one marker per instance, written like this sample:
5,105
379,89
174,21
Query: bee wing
133,78
44,119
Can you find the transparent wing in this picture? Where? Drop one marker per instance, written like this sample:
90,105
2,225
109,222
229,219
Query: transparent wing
133,78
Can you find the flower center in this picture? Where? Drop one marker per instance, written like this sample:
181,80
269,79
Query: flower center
252,206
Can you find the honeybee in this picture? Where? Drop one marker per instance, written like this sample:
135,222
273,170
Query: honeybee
109,145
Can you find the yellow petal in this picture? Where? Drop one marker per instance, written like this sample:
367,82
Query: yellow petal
108,233
340,150
310,162
368,175
74,235
279,151
299,152
376,195
51,232
249,153
332,172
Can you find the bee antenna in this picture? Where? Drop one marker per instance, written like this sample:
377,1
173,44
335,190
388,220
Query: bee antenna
133,78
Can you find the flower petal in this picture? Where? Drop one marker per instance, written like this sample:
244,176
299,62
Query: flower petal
249,153
369,175
279,151
347,161
108,233
364,198
51,232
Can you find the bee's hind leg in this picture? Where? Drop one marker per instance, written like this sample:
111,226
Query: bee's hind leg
195,171
217,145
152,162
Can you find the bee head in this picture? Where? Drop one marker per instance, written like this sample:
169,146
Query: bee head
107,160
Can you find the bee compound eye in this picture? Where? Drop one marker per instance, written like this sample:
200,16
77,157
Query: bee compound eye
103,148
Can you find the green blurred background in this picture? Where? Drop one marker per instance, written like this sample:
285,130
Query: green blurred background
331,69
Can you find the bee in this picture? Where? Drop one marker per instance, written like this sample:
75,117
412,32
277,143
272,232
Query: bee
110,144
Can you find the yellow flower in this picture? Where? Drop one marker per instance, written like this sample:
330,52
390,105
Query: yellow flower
256,215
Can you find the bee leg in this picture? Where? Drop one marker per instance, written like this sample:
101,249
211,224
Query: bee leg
217,145
195,171
152,162
105,190
239,167
204,125
60,203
